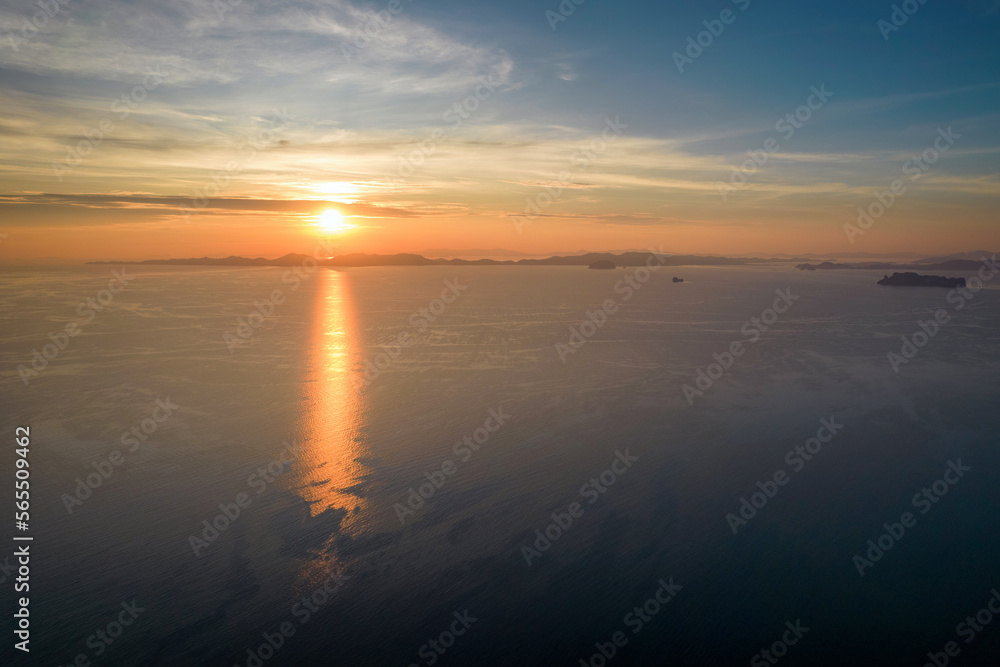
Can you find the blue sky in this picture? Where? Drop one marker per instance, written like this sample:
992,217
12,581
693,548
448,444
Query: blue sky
226,69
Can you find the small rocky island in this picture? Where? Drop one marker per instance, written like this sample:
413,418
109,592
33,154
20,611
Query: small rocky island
678,280
602,264
917,280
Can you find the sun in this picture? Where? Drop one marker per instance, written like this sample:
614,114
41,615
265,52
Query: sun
332,222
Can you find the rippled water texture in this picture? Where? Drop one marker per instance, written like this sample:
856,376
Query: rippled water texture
351,436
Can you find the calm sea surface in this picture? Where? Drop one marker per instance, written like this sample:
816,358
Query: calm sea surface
339,511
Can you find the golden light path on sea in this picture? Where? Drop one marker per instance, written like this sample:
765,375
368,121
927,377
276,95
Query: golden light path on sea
331,467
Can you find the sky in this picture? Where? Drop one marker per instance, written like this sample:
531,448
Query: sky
137,130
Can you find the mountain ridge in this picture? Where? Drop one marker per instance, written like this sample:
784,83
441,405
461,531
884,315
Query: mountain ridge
411,259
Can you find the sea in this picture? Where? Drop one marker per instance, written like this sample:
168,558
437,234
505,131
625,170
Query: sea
501,465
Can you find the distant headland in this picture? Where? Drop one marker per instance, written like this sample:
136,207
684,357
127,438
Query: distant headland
917,280
605,264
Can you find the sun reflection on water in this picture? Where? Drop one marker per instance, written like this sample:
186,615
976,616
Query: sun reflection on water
331,471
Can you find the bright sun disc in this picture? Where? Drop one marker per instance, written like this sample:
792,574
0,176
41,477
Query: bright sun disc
333,222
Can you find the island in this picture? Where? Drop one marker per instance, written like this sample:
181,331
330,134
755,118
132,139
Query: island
917,280
602,264
678,280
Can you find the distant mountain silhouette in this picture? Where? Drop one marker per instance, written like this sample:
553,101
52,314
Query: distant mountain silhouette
949,265
962,262
477,252
973,256
407,259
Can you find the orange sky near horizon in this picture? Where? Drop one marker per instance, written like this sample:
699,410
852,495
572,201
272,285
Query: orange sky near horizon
269,236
